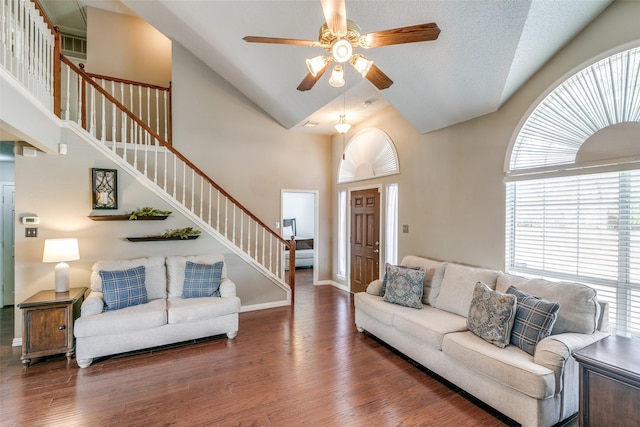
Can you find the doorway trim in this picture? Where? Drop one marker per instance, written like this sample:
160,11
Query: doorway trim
316,224
383,201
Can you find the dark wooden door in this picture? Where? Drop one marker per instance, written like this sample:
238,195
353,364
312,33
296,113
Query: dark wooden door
365,238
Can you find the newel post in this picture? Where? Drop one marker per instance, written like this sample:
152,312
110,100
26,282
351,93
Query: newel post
292,268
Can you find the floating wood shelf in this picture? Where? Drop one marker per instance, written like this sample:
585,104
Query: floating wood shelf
126,218
158,238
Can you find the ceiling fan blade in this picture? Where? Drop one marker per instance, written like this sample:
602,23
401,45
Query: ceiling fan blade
309,81
336,16
378,78
412,34
276,40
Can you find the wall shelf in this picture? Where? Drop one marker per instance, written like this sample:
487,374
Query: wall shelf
126,218
158,238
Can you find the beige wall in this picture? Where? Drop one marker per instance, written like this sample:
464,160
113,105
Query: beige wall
451,190
127,47
240,147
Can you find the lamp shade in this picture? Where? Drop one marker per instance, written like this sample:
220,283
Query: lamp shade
342,126
60,250
337,76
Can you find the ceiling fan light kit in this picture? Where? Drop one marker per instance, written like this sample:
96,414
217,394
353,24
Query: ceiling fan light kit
337,76
341,36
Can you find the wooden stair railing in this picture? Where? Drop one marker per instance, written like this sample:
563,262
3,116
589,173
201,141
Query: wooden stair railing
120,130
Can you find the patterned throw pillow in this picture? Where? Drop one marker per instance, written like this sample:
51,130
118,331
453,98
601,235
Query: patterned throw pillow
534,320
386,274
202,280
404,286
124,288
491,315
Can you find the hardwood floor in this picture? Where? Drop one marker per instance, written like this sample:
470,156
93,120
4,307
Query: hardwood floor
302,366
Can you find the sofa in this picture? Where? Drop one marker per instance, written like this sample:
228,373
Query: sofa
147,302
480,330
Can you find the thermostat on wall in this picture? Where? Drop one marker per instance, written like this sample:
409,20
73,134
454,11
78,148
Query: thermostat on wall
30,220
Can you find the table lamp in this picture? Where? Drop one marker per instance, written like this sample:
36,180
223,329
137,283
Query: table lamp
60,251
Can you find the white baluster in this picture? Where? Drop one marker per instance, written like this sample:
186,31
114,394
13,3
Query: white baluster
233,223
184,182
93,112
175,176
113,117
193,188
218,213
155,160
68,70
157,128
209,205
201,193
166,116
241,230
255,256
104,118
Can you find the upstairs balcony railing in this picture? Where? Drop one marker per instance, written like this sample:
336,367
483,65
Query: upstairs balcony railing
31,53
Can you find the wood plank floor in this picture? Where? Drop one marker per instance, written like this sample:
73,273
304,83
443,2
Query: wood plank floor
287,367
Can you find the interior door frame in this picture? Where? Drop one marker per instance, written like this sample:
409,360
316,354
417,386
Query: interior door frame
316,223
383,233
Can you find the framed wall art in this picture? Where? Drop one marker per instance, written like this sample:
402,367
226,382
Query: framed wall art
105,188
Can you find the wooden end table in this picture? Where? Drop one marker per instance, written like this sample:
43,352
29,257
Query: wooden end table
610,382
47,323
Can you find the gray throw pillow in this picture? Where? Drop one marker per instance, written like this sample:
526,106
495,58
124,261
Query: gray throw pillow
404,286
534,320
491,315
386,274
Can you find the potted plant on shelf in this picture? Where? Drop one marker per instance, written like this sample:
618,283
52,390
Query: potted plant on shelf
148,212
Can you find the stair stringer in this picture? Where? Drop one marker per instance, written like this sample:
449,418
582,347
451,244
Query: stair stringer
185,211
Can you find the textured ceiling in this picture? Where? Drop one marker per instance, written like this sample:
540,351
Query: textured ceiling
487,49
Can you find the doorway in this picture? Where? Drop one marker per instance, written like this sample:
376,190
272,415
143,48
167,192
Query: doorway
365,238
300,218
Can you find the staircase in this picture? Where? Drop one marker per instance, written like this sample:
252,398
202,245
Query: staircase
93,107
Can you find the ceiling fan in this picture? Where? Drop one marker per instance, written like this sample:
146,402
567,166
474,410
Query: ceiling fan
340,36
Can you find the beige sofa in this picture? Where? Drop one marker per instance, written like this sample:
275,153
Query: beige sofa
535,390
166,318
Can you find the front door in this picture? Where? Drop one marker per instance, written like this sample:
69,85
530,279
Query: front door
365,238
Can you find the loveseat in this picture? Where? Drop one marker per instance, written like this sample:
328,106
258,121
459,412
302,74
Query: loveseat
535,384
148,302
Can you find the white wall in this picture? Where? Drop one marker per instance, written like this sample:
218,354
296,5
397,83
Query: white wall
127,47
451,190
240,147
300,206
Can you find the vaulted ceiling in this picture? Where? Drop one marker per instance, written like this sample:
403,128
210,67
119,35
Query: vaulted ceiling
487,49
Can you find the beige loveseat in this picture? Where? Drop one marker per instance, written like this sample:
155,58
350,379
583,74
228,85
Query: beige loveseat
166,318
539,389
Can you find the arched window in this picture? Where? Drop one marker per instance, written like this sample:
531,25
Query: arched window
573,187
369,154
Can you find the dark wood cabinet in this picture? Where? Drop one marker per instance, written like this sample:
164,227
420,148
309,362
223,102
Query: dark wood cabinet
610,383
47,323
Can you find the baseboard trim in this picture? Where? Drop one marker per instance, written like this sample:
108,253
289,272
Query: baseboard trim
264,306
17,342
332,283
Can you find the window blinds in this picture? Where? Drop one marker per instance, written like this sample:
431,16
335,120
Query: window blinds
583,228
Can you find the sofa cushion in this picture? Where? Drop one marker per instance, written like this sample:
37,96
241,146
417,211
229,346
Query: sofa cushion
428,325
534,320
177,264
579,308
509,366
404,286
491,315
434,272
458,284
155,274
202,280
131,319
124,288
374,306
184,310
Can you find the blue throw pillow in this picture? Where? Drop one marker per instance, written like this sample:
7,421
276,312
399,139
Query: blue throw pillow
534,320
202,280
124,288
404,286
385,280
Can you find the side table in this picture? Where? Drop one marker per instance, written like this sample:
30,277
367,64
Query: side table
47,323
610,382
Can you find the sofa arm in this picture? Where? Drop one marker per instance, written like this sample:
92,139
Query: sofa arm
375,287
227,288
554,351
94,304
